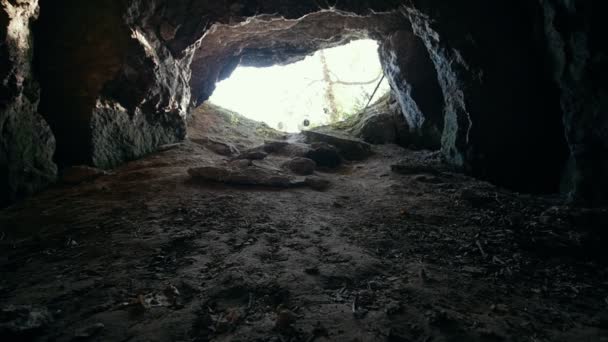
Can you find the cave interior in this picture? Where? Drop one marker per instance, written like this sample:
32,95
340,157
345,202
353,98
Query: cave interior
464,198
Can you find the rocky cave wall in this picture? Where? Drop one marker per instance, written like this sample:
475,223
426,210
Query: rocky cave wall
118,76
515,76
508,89
26,142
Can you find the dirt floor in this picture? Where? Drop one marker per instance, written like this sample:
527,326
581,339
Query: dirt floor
146,253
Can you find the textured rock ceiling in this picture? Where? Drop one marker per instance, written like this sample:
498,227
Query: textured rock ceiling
267,40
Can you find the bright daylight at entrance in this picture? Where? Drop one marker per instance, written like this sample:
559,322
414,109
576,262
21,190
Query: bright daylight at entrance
323,88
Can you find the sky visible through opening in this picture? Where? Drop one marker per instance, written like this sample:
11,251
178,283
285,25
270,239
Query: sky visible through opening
328,86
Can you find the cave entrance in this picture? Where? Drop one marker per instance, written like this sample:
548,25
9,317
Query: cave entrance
324,88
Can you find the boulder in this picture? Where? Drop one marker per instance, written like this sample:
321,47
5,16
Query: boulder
274,146
253,155
324,155
349,148
376,128
301,166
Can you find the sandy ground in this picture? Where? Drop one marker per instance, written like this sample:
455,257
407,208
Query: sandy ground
148,254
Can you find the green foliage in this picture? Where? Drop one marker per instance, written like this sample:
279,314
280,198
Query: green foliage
358,105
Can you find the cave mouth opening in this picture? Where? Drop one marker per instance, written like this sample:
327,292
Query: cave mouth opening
326,87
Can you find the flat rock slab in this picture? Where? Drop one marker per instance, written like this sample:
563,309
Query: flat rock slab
285,148
349,148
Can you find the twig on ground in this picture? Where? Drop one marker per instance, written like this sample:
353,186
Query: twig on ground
483,253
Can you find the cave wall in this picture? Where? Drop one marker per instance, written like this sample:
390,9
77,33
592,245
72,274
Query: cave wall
26,141
414,83
503,121
579,60
511,91
110,90
116,75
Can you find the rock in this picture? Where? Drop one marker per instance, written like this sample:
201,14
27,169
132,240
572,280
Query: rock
295,150
413,79
23,321
112,125
219,147
274,146
284,148
27,144
80,174
301,166
349,148
324,155
317,183
253,155
381,123
376,128
241,163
